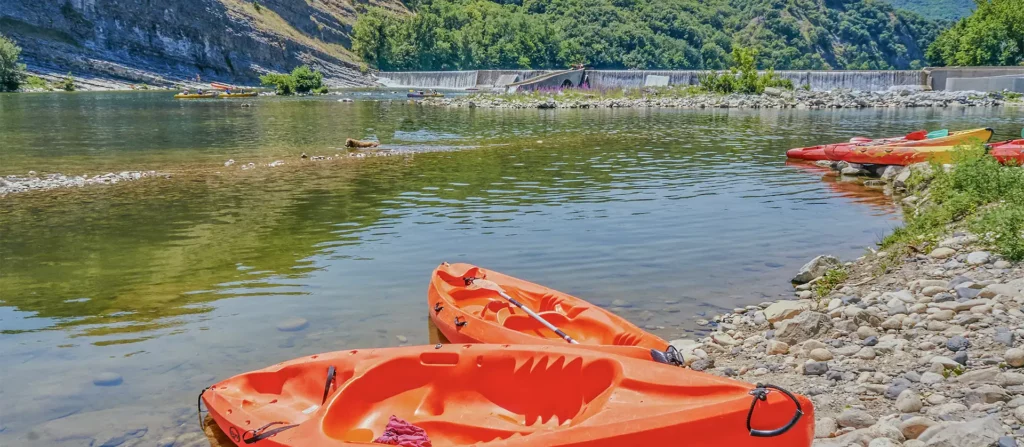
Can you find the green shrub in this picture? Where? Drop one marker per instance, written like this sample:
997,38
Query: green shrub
742,76
306,79
322,90
12,74
284,84
67,83
978,193
258,7
37,83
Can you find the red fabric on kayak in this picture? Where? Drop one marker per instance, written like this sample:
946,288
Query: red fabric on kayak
400,432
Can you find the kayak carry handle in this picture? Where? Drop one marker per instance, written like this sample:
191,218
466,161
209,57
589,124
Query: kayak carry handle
671,356
761,393
257,434
438,307
460,323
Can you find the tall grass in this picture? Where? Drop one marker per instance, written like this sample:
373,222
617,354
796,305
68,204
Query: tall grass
978,194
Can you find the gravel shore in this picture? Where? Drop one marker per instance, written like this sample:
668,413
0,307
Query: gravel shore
926,353
772,99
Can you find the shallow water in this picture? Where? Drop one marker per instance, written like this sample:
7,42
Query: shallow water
174,284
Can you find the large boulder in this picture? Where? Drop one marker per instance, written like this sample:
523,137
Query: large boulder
816,268
803,327
783,310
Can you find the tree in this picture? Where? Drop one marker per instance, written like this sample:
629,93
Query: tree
307,80
284,84
993,35
12,74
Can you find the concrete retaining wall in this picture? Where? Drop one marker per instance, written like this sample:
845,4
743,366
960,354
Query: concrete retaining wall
937,77
987,84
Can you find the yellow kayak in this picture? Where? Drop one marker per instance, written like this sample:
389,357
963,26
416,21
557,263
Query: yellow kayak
238,95
195,96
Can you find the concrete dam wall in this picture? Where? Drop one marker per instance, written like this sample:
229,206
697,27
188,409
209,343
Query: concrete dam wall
864,80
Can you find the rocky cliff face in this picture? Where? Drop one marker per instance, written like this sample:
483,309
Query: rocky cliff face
162,41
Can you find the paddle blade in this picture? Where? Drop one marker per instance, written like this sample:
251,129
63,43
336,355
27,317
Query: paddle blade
918,135
938,133
485,285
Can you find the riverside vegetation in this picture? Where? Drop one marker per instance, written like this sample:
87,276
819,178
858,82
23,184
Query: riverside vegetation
915,345
302,80
642,34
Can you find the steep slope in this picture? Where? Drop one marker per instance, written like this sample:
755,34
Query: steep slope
936,9
643,34
159,41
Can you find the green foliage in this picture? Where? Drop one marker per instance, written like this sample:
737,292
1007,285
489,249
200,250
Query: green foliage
742,76
323,90
641,34
12,74
829,281
256,5
67,83
37,83
993,35
284,84
936,9
979,193
306,79
301,80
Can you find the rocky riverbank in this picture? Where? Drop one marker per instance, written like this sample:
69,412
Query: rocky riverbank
12,184
915,350
772,99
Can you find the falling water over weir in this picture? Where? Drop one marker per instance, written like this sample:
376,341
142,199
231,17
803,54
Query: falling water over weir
817,80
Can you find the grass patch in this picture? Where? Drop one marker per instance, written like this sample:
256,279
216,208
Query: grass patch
828,282
978,194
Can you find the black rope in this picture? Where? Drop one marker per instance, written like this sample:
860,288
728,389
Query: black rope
760,393
199,407
257,434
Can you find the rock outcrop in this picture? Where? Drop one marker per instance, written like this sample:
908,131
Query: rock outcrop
159,43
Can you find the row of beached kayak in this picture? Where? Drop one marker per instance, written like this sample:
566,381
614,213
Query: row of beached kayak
530,366
915,147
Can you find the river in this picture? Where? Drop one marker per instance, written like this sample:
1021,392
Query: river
119,303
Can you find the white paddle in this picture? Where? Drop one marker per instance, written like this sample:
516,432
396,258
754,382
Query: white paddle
492,286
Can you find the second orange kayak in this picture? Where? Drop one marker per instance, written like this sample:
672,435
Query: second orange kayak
1009,152
465,314
501,396
909,152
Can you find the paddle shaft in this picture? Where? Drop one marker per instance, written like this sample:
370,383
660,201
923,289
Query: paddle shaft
539,318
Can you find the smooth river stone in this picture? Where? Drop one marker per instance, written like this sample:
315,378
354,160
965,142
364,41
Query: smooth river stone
292,324
107,379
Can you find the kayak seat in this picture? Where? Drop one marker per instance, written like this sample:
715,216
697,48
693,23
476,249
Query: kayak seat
469,398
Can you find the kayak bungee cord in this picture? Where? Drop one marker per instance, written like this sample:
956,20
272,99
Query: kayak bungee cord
760,393
492,286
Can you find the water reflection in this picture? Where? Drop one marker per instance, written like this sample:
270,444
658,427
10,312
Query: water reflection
174,284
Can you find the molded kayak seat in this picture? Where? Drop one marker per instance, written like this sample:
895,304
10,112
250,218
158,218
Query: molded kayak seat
501,395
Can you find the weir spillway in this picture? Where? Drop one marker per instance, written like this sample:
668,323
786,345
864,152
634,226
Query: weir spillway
864,80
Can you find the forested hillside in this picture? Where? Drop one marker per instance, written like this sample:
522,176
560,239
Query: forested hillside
950,10
642,34
993,35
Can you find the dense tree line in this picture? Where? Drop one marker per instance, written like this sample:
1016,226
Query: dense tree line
993,35
642,34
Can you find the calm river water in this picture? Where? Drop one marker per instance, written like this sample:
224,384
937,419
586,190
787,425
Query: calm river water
118,304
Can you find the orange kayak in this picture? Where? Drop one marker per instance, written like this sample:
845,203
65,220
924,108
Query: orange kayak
465,314
908,152
1009,152
815,153
502,395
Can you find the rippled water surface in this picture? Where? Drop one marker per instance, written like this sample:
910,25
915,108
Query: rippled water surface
172,284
